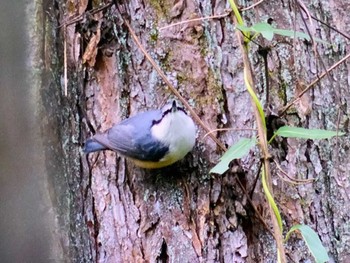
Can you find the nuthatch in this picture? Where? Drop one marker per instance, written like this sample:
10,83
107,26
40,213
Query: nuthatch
152,139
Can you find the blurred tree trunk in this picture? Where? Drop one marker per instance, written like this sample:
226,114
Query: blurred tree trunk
120,213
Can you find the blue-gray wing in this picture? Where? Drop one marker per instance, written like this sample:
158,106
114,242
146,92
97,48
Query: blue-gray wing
132,138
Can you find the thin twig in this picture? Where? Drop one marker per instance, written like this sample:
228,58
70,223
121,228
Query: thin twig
290,179
311,32
312,84
79,18
331,27
252,6
194,20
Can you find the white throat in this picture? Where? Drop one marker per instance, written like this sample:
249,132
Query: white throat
178,132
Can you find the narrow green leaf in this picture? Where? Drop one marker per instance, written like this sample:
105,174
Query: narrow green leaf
265,29
236,151
243,28
291,33
263,26
268,32
236,12
270,199
297,132
254,97
297,34
312,241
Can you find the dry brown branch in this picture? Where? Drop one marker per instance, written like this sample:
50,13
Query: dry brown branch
313,83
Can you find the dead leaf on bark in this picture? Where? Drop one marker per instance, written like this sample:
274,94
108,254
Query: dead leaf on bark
91,49
305,101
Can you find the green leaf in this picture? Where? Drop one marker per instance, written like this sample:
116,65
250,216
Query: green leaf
236,12
243,28
255,98
271,200
263,26
268,31
265,29
292,34
296,132
236,151
312,241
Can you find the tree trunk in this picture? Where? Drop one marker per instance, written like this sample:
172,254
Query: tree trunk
120,213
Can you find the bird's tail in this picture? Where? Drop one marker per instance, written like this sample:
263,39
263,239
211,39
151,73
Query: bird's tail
93,146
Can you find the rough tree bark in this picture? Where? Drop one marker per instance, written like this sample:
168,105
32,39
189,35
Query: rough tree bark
120,213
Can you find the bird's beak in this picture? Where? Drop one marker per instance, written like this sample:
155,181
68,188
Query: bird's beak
174,106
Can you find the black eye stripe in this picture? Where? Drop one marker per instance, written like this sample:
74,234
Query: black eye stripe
182,109
154,122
